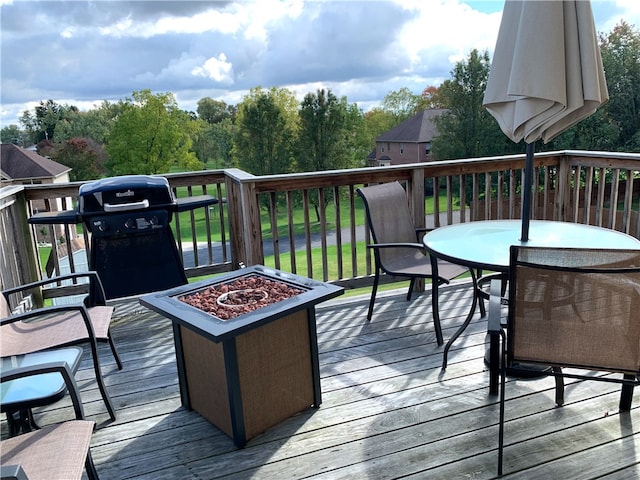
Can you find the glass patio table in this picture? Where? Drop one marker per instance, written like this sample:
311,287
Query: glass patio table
484,245
19,396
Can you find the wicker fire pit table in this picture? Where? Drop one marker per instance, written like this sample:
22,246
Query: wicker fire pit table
246,346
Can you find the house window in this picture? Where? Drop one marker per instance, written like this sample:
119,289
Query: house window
401,148
427,148
384,163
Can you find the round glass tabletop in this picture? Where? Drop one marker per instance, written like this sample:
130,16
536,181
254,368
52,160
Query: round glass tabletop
485,244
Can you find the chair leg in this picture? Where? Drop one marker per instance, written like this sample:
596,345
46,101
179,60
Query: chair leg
374,290
114,351
411,285
100,380
559,386
503,376
626,394
90,467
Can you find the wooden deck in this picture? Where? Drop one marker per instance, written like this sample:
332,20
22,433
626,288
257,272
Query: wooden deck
388,410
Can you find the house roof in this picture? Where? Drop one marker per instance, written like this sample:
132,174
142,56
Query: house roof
418,129
17,163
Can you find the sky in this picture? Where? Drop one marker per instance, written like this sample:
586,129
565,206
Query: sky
84,52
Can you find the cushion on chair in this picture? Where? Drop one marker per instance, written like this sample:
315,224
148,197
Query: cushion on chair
56,452
24,337
5,309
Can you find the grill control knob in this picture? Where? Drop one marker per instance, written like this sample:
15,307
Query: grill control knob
153,220
102,226
130,223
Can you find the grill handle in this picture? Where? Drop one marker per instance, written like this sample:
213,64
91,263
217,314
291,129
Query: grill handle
125,207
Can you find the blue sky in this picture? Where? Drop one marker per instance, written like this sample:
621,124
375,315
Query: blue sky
82,53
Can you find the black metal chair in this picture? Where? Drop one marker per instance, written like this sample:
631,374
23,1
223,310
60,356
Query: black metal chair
397,248
60,325
573,308
55,451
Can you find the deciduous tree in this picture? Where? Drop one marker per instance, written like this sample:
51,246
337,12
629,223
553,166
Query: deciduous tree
467,130
86,158
265,132
150,136
620,51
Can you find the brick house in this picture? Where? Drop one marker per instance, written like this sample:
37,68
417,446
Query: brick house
409,142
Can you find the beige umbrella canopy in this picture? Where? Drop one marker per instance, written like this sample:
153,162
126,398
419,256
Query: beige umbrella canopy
546,74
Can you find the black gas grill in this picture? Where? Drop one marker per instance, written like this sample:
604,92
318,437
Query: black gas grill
132,245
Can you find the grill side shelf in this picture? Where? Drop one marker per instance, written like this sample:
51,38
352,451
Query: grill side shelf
66,217
189,203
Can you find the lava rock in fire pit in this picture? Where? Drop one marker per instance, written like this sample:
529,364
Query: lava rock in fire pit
243,295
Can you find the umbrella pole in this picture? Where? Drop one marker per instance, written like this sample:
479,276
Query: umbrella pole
526,195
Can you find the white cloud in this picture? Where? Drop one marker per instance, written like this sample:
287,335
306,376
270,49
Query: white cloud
216,68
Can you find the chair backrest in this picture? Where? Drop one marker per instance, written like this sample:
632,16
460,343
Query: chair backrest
575,308
388,215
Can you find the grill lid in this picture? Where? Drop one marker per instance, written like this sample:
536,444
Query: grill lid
125,193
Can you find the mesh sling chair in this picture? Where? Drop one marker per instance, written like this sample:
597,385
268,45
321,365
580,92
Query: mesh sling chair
53,452
60,325
571,308
397,248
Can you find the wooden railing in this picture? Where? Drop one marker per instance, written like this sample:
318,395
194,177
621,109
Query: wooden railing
312,223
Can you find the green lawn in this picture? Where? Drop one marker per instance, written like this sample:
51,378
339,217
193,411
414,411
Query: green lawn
282,221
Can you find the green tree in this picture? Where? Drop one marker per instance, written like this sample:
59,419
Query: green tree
214,111
620,51
356,143
376,122
266,125
95,124
323,128
402,104
467,130
40,125
13,134
213,142
151,136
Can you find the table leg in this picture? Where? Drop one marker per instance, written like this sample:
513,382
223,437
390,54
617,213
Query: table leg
466,322
21,421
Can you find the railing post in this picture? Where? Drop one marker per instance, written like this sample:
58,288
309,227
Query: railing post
416,200
562,189
19,259
244,219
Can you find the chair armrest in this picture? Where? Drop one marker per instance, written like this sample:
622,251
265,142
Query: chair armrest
96,289
420,232
495,303
12,472
396,245
53,367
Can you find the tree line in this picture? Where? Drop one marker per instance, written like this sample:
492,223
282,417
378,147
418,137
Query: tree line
270,132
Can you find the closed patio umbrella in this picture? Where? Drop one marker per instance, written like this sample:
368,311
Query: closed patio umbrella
546,75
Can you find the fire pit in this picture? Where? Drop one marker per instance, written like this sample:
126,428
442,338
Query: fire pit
246,294
246,346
